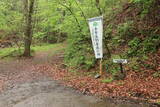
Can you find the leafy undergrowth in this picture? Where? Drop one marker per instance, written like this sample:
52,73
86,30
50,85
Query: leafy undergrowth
137,85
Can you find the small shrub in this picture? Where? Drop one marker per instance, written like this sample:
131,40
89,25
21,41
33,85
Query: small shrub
145,6
151,43
79,54
134,46
124,31
111,67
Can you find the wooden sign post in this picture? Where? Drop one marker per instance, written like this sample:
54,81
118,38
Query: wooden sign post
101,67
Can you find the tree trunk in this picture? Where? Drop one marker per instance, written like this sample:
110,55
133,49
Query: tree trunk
29,10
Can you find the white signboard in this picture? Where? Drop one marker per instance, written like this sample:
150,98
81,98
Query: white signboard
123,61
96,30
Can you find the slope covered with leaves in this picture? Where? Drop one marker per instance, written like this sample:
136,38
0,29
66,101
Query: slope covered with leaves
134,34
131,31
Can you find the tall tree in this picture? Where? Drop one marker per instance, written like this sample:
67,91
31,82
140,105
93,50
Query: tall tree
29,10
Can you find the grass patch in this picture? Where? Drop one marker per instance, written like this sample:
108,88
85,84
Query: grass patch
14,52
6,51
46,47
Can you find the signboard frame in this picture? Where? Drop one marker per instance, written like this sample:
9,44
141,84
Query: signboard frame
123,61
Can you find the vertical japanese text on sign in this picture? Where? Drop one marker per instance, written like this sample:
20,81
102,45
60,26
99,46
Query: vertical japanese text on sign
96,29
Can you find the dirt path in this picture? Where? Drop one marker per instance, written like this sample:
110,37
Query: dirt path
22,85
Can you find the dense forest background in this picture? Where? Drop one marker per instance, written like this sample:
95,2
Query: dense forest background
131,30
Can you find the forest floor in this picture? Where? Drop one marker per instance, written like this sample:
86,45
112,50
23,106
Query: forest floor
25,81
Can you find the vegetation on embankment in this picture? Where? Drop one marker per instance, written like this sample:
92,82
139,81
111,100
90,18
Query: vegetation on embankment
134,34
131,31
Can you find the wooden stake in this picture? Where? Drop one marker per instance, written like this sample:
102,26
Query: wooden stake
121,67
101,71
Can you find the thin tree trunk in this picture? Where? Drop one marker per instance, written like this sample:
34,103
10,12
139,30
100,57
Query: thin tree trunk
70,10
105,41
98,7
28,28
81,12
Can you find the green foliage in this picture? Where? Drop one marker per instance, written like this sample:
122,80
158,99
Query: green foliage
39,36
6,51
124,29
10,17
48,17
151,44
124,32
134,46
133,64
145,5
141,1
12,53
79,53
141,47
111,67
